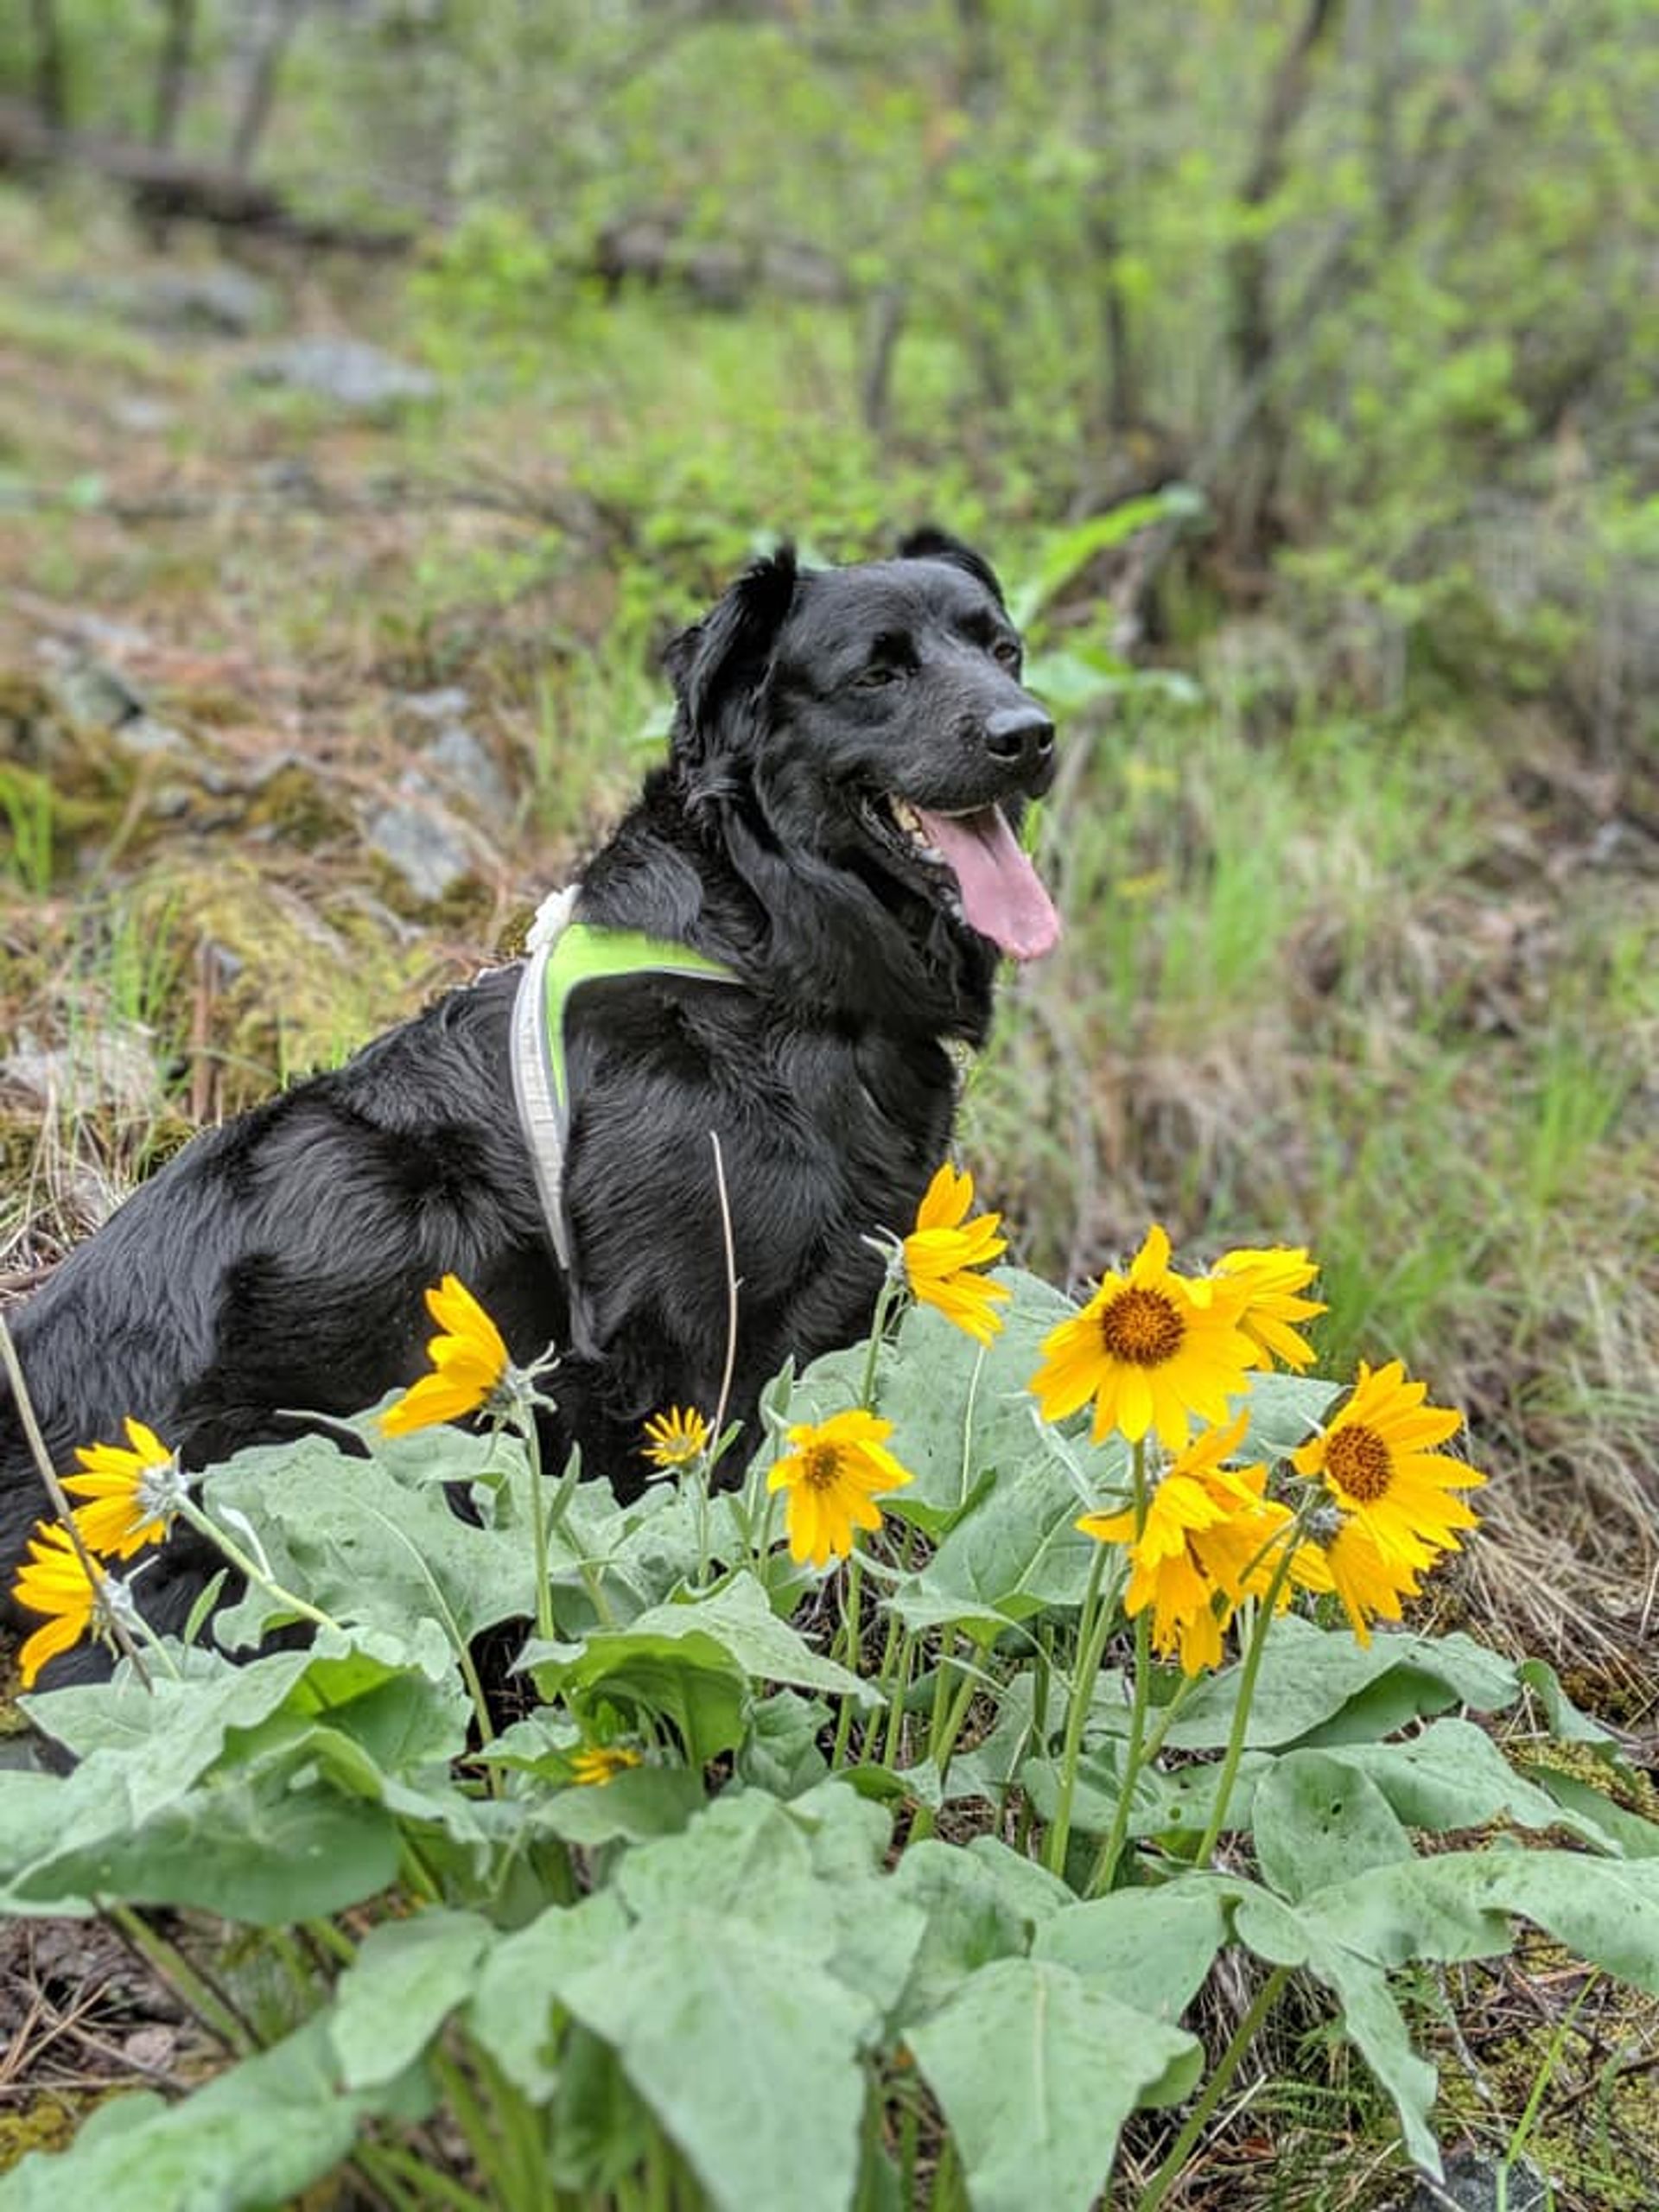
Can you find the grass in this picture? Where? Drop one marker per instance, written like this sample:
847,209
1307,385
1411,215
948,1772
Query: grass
1360,979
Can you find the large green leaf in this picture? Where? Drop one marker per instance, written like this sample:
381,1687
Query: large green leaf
745,2047
1289,1936
1453,1906
366,1547
257,2136
408,1977
1309,1674
1453,1775
1317,1817
1015,1551
248,1847
1036,2071
806,1876
162,1740
511,2014
694,1661
1151,1948
971,1918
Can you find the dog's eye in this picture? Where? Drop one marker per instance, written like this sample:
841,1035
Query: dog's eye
1006,651
881,673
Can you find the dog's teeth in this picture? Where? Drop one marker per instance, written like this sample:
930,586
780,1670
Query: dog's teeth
905,816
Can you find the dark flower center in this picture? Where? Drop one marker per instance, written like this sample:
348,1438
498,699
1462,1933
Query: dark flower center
1357,1458
1141,1327
820,1466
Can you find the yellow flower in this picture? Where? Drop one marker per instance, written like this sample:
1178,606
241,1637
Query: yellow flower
1369,1586
134,1493
468,1362
1374,1459
1152,1348
1207,1540
53,1581
676,1438
1270,1281
835,1471
601,1763
945,1247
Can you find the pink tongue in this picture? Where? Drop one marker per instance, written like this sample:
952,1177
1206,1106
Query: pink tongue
1000,894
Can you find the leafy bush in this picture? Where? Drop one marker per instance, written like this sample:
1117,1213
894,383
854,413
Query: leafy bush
771,1894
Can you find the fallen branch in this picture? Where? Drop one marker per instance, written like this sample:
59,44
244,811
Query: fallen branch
165,186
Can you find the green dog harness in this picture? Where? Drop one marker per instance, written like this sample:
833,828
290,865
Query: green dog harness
565,956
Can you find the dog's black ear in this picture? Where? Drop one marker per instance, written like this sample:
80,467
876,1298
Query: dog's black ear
726,654
930,544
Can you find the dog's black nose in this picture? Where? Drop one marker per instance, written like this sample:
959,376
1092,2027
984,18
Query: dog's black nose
1020,737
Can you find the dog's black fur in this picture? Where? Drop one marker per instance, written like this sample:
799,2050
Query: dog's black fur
278,1262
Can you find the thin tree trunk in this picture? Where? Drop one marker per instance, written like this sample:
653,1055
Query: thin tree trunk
1119,404
1251,336
51,66
261,94
887,323
172,71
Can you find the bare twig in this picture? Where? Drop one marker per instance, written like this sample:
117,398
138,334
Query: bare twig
730,1242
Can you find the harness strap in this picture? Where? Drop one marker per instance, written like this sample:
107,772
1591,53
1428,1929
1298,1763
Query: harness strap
565,956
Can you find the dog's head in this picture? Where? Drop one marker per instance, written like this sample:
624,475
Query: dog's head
876,717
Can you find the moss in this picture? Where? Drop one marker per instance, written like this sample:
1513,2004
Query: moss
1592,2040
1623,1785
46,2125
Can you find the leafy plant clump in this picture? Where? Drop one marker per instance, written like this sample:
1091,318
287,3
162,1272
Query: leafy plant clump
868,1831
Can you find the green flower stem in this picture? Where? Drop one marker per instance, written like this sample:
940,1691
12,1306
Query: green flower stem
893,1288
332,1941
193,1992
525,1425
1094,1624
945,1742
1247,1672
248,1568
896,1681
1217,2086
390,2166
851,1639
1135,1755
483,2123
519,2123
480,1704
849,1644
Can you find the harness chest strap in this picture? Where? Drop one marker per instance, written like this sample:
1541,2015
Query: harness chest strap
565,956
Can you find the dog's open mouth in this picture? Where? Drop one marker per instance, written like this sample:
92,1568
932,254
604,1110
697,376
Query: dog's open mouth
1000,893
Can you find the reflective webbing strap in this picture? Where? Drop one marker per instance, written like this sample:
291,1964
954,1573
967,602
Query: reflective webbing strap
569,955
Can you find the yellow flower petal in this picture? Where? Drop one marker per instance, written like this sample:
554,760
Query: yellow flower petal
469,1363
676,1438
1153,1349
832,1473
945,1247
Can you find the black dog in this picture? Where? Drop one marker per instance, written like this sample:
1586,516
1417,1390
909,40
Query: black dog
835,826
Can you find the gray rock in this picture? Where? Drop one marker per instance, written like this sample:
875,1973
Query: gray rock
347,372
96,692
419,837
468,769
1470,2185
114,1067
221,301
440,706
